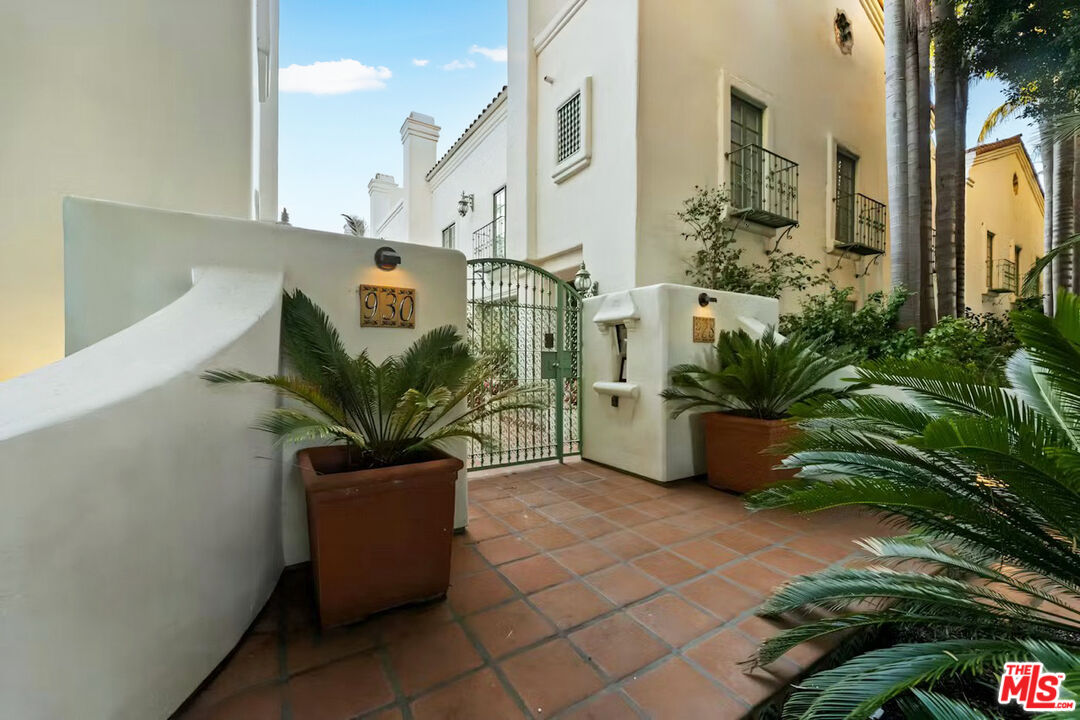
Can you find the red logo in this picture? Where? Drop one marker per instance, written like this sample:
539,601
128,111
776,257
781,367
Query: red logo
1033,688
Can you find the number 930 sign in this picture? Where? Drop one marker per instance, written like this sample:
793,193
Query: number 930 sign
388,307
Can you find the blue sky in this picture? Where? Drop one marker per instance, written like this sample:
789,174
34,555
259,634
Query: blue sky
333,142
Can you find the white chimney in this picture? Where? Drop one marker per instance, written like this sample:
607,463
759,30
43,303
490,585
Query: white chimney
419,137
383,194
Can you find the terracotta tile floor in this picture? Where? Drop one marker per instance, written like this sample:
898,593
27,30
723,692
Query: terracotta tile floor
577,592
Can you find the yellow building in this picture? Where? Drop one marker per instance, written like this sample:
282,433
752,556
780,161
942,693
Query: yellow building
1004,223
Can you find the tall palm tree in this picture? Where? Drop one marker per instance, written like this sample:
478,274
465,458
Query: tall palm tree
946,95
1063,209
901,243
960,195
921,207
1075,205
987,480
1046,150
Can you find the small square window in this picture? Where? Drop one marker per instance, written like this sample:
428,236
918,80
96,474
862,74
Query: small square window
568,117
572,132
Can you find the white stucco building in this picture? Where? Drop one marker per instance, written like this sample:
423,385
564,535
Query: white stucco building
167,104
610,138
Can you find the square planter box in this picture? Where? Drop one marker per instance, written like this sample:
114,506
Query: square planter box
379,538
735,451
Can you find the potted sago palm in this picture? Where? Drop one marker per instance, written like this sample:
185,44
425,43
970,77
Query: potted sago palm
380,499
747,393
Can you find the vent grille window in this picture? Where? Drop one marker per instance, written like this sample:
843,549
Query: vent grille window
568,123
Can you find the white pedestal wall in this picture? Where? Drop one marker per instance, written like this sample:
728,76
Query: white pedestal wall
639,435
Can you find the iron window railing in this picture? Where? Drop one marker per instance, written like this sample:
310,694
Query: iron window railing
490,240
764,186
1001,276
864,231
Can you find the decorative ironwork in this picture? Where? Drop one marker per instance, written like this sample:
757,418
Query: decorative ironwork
764,186
1001,276
531,320
490,240
865,234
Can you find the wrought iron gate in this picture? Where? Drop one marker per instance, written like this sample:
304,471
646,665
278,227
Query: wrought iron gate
532,319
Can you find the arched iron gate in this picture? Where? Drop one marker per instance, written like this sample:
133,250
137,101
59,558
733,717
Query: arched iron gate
533,319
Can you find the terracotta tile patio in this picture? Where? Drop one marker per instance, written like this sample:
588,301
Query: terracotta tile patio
577,592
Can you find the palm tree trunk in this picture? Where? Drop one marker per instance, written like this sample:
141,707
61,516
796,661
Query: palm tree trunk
900,244
945,93
923,209
1063,209
912,270
960,234
1075,213
1046,150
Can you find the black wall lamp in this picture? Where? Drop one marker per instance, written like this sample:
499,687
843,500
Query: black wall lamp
386,258
704,299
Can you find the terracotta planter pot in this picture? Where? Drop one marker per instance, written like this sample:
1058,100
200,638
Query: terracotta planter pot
379,538
735,451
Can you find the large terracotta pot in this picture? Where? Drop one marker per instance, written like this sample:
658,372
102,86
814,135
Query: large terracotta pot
735,451
379,538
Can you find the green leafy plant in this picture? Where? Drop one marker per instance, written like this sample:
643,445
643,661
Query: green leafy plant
981,343
869,332
986,478
717,262
760,378
388,413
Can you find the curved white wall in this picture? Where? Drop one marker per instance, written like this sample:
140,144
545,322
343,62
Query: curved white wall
140,527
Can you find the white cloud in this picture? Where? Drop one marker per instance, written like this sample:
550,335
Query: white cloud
492,54
459,65
334,77
420,63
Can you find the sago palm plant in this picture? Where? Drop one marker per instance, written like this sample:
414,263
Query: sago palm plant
387,413
986,480
760,378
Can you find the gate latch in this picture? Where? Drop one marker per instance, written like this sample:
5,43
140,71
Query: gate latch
551,361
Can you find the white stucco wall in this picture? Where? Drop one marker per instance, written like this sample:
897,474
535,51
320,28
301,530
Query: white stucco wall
125,262
139,534
784,56
146,102
593,214
639,435
478,168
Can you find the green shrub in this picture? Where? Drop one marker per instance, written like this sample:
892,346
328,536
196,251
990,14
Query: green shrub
717,261
981,343
869,332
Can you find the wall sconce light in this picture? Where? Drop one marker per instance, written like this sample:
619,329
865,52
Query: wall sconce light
465,204
704,299
386,258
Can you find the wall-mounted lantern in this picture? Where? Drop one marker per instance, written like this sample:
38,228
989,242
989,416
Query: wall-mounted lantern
584,283
704,299
465,204
386,258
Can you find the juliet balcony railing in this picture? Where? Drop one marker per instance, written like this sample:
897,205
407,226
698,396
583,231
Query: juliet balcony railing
860,225
764,186
490,240
1001,276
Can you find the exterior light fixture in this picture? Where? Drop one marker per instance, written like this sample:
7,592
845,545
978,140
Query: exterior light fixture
465,204
704,299
386,258
584,283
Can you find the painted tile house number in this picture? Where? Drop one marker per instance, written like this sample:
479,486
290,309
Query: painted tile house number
387,307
